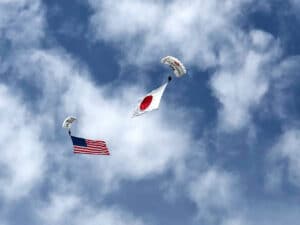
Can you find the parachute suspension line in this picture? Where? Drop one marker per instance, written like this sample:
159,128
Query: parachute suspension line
67,124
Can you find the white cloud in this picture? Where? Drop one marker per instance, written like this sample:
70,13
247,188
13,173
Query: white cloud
61,85
60,208
140,147
295,5
152,29
68,209
281,100
241,89
285,154
22,148
21,22
277,212
216,194
22,157
222,199
205,34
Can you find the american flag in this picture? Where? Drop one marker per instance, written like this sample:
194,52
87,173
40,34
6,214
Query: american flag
85,146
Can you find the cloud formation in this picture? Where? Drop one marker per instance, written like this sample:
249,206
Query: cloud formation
33,157
249,65
22,156
70,209
205,34
285,160
216,196
40,86
52,84
18,17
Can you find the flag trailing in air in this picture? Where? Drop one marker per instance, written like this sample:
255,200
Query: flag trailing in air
151,101
86,146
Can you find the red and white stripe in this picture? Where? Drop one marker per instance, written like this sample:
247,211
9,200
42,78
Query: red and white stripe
93,148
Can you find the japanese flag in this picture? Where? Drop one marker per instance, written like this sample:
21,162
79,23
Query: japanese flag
150,101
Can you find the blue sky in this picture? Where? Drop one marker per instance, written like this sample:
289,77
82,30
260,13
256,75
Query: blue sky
223,149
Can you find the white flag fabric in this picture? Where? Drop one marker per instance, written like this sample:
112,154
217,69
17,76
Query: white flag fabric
151,101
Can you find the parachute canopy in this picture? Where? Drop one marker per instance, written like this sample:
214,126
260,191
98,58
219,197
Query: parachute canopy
68,122
175,64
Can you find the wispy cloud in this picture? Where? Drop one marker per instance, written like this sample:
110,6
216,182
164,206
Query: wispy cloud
247,64
205,34
40,86
216,195
22,158
285,160
52,84
70,209
22,22
149,30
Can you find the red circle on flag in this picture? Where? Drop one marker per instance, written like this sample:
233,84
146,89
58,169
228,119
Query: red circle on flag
146,102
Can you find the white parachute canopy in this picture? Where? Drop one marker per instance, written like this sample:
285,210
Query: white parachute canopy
175,64
68,122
